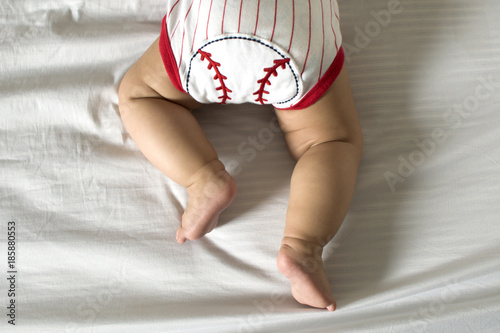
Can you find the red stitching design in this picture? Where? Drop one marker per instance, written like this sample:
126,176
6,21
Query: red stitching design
218,75
265,80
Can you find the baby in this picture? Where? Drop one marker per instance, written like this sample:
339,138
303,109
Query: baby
284,53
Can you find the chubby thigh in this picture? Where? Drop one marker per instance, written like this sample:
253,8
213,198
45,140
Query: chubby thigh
332,118
147,78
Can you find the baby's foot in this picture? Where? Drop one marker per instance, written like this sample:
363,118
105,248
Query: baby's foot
300,261
212,191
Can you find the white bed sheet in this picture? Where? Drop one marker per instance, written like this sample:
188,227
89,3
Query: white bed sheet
95,250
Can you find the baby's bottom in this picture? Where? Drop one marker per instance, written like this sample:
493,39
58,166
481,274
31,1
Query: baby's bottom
325,139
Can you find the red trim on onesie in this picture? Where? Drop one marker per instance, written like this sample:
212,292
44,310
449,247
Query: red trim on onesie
168,58
323,84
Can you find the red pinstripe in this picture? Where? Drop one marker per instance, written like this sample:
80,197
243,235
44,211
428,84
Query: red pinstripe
223,18
309,43
323,51
209,14
196,27
331,23
257,20
174,31
171,9
275,17
239,22
184,32
293,26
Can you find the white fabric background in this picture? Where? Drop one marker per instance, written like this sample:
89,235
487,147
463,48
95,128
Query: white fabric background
96,222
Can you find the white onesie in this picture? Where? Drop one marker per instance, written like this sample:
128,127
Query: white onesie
281,52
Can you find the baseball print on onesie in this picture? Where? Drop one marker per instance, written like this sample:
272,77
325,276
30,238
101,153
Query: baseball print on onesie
281,52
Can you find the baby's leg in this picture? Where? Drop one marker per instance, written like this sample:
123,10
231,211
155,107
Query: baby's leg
158,118
326,141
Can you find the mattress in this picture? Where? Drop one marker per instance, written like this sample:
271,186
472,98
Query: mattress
88,224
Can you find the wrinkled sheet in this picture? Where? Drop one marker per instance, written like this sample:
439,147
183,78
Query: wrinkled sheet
95,222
